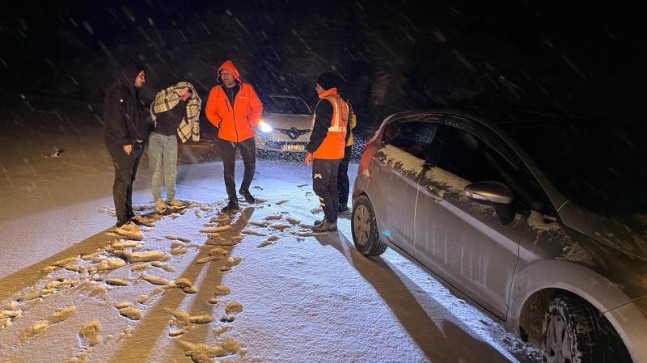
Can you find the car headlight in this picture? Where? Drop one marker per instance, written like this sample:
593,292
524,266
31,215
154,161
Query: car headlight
264,126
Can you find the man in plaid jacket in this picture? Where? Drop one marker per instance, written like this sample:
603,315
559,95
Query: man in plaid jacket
176,111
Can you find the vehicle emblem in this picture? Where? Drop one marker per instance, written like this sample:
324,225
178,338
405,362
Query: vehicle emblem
294,133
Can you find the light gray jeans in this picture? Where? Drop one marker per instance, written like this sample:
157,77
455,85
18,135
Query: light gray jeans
162,152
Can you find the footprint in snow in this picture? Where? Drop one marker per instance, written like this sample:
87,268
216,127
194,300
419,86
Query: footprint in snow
38,327
280,226
229,263
155,280
179,251
147,256
233,307
203,353
131,313
221,329
293,221
252,232
177,244
163,266
143,299
259,223
215,229
117,282
221,290
176,238
216,240
90,333
231,310
269,241
264,244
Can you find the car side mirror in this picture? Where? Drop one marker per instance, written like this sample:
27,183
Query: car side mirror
496,193
489,191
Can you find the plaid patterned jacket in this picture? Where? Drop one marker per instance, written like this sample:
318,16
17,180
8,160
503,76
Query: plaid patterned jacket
169,97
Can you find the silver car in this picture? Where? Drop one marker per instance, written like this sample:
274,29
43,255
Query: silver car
542,223
286,124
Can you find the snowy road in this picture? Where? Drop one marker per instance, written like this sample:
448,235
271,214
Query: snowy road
257,288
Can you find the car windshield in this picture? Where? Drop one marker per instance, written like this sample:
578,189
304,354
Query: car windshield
600,166
287,105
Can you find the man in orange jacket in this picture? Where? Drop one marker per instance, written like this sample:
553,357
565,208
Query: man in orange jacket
234,108
325,150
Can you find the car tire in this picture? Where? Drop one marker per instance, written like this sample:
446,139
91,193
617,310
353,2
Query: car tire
574,331
364,227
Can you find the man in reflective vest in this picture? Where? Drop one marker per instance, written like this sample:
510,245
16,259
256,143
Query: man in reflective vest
325,150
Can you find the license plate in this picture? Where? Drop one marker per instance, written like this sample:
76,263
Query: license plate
297,147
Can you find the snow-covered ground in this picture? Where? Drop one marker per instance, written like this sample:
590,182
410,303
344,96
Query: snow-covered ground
259,287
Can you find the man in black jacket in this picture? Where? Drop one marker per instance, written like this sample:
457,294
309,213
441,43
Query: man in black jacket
126,132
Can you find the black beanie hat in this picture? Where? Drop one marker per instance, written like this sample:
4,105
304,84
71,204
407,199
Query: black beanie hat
328,80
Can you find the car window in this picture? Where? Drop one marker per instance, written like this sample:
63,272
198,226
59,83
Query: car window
469,157
598,165
286,105
414,137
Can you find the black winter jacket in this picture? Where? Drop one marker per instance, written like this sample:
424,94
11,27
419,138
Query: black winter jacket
125,117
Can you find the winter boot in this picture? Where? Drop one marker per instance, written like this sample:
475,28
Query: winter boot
130,231
231,207
249,198
143,220
160,206
176,204
325,226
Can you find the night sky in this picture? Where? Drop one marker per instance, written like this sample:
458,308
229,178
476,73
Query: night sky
572,56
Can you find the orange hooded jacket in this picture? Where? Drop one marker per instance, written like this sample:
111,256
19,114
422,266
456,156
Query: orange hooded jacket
235,123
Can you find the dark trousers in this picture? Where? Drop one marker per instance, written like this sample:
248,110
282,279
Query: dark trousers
125,173
343,184
228,154
324,184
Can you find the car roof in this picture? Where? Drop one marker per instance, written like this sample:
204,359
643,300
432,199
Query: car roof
500,116
493,114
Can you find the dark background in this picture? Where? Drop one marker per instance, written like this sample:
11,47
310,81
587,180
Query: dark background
576,57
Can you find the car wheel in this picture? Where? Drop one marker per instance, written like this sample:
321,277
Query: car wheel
574,331
364,226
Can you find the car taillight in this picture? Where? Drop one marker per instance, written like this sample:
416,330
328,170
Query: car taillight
365,156
365,147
